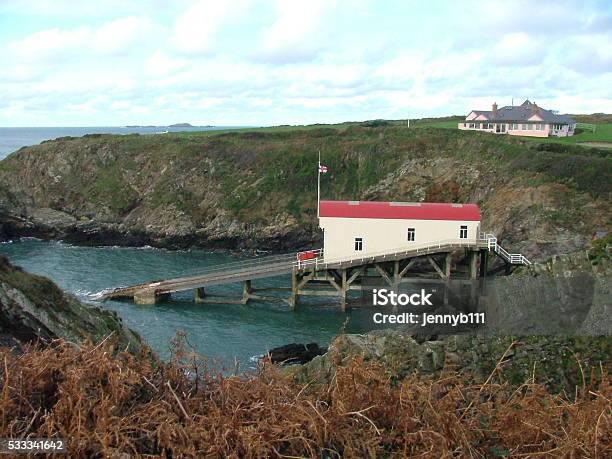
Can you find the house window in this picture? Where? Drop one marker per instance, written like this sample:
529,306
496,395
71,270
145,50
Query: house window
463,232
410,234
359,244
477,125
471,125
524,127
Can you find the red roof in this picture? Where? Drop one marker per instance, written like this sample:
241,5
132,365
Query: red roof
399,210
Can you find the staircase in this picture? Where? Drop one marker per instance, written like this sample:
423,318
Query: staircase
512,258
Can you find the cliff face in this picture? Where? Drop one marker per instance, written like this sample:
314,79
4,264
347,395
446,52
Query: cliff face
258,189
32,307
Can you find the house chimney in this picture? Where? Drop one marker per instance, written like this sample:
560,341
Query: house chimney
535,110
494,111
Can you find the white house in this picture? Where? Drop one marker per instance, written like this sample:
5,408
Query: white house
526,120
352,229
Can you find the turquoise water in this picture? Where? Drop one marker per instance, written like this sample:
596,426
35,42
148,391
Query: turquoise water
223,332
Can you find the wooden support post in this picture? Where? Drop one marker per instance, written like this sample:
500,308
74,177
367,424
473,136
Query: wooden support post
344,287
483,263
293,299
448,260
246,291
473,261
407,267
383,274
358,272
436,267
198,295
396,274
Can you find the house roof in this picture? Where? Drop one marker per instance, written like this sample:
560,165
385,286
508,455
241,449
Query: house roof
399,210
523,112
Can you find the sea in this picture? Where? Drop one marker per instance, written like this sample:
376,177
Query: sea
232,336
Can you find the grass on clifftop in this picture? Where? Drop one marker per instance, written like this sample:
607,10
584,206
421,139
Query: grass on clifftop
107,406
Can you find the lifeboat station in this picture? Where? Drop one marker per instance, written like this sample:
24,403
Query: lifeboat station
362,241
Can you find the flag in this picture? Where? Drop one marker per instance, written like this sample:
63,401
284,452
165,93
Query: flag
322,169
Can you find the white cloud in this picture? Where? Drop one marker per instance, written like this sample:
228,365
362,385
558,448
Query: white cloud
122,34
195,30
297,33
49,43
256,62
161,64
517,48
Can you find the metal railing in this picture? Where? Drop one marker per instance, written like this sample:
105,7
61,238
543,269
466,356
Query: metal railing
277,264
512,258
323,262
489,239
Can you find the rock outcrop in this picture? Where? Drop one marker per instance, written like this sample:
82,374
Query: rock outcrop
556,361
258,189
34,309
295,353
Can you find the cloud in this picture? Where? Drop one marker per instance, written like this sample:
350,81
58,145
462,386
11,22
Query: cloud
123,34
113,37
297,34
517,48
254,62
49,44
196,29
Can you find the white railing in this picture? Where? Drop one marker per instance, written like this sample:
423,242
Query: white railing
512,258
322,262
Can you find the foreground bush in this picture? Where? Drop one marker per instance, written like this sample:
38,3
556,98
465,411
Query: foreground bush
107,405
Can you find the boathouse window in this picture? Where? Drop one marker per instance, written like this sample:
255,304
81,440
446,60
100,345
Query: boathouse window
463,232
410,234
359,243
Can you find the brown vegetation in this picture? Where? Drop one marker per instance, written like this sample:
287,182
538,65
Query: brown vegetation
107,405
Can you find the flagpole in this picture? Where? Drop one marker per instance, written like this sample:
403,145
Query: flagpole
319,184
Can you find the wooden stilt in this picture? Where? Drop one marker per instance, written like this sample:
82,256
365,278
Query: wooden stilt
344,288
247,291
293,299
473,261
198,295
483,263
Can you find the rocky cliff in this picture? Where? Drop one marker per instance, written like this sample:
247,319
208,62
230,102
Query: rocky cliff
32,308
258,189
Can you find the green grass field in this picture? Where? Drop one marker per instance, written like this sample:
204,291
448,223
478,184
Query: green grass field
601,136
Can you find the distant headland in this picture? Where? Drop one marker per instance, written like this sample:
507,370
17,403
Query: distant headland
176,125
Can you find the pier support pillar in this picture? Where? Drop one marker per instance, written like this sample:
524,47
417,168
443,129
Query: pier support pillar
199,294
145,297
483,263
344,288
473,261
247,291
293,298
448,260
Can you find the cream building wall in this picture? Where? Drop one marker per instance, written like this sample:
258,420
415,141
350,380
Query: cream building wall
386,235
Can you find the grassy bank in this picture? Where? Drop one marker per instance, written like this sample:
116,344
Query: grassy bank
107,406
257,187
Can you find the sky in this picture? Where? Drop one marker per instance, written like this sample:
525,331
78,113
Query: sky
265,62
